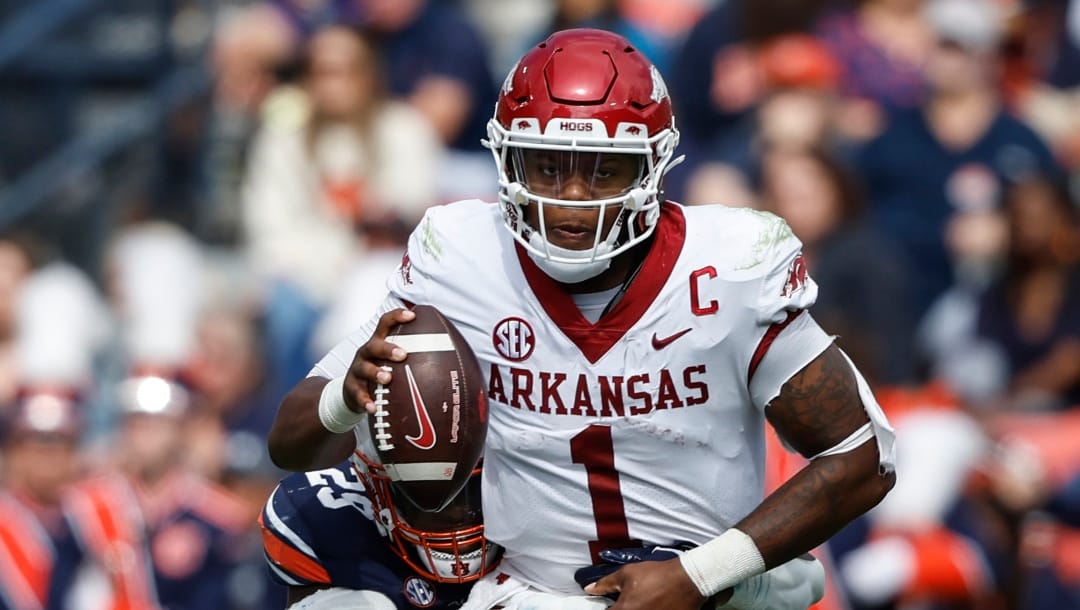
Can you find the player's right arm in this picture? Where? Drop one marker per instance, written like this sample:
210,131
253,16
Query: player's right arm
299,439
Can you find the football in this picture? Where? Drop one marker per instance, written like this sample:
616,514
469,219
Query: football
431,419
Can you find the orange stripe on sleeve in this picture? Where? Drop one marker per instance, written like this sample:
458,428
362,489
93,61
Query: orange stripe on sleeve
292,560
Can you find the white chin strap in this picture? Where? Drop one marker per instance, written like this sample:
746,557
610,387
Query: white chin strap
569,272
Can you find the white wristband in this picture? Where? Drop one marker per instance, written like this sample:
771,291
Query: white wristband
795,585
722,562
335,415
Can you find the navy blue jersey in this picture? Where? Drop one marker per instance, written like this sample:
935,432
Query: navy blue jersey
319,528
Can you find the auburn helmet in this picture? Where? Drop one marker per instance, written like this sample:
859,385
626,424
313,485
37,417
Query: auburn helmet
582,95
444,546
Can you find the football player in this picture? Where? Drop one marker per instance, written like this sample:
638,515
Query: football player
633,347
337,540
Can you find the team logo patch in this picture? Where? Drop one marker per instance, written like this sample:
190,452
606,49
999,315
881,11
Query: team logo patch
425,439
460,568
406,268
419,592
660,343
514,339
796,277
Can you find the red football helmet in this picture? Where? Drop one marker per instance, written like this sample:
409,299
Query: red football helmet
583,95
444,546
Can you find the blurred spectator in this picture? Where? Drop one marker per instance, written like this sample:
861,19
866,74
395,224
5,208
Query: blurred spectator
178,531
326,158
233,404
228,377
361,287
39,459
60,329
1021,334
798,77
155,283
712,87
254,49
669,19
253,42
921,548
436,59
715,79
505,24
883,45
16,263
951,156
863,279
1030,311
1048,91
1031,485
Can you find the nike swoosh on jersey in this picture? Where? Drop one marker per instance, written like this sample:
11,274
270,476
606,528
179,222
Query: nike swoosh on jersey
426,438
659,343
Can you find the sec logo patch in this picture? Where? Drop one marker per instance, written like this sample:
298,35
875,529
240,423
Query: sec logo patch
419,592
514,339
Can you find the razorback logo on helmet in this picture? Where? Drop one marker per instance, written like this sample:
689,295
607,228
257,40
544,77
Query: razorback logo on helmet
796,277
527,125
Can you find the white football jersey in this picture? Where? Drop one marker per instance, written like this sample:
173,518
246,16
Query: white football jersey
644,428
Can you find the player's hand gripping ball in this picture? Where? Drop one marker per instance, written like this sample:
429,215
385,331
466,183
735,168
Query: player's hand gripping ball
431,419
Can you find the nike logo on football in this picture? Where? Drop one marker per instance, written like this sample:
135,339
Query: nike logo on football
426,439
659,343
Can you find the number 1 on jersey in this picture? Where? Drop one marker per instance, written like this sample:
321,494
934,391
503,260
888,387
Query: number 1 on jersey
594,449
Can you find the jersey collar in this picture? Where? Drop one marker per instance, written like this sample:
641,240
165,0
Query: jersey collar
594,340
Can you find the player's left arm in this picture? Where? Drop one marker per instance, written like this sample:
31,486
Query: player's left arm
817,410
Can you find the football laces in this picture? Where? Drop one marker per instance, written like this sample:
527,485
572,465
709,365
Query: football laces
382,437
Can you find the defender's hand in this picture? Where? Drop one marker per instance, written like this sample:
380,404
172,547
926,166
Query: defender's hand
364,372
652,584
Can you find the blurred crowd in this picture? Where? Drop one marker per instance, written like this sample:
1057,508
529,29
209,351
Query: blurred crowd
926,152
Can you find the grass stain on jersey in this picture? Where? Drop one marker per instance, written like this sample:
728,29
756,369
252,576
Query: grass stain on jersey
774,231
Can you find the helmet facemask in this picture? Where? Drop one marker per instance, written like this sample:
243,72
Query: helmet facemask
536,169
446,546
